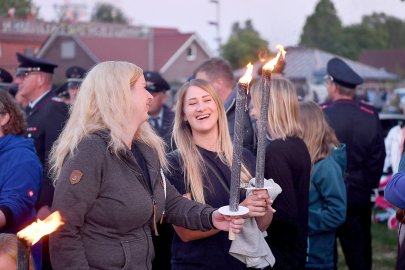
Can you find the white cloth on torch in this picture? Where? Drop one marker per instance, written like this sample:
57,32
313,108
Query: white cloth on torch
250,247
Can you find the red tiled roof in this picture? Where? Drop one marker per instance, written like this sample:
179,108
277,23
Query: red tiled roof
124,49
165,45
391,59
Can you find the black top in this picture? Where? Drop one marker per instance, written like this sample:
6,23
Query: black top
211,252
357,126
288,163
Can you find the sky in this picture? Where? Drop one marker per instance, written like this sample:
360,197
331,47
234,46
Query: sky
279,22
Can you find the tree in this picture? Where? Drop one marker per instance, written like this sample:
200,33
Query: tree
16,8
390,29
323,29
104,12
244,45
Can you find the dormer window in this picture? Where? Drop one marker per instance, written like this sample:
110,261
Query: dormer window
192,52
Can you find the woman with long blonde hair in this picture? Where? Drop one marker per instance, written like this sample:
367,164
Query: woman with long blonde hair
200,170
109,185
327,192
288,163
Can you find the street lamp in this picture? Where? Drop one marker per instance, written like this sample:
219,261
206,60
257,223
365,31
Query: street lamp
216,24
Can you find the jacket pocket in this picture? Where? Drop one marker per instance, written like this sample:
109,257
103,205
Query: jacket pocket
135,252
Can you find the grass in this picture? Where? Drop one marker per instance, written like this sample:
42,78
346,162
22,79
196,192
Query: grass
384,244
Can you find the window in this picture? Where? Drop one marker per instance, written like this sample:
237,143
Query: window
192,52
67,50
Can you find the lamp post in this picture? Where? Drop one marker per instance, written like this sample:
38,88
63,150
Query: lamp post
216,24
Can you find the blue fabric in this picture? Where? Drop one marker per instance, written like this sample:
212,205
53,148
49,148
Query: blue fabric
20,178
395,190
327,208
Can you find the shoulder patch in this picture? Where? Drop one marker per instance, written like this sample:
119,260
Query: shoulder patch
75,177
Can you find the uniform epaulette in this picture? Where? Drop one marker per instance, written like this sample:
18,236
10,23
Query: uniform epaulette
366,110
366,103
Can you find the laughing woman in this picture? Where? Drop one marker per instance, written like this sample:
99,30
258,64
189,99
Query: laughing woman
200,170
109,190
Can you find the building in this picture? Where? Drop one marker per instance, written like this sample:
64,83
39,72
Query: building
175,55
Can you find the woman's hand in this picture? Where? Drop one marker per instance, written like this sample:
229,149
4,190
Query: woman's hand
224,223
259,203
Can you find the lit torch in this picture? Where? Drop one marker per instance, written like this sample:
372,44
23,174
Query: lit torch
241,107
32,234
262,123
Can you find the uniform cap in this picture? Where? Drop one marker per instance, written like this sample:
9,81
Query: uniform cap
29,64
75,75
342,74
5,76
155,82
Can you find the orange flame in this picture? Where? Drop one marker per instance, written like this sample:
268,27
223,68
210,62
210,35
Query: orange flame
34,232
247,77
273,62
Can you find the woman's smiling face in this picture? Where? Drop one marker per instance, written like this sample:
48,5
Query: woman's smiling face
200,111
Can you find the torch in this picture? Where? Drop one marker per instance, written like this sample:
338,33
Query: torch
32,234
262,123
233,209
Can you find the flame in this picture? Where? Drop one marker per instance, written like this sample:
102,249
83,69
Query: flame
247,77
34,232
273,62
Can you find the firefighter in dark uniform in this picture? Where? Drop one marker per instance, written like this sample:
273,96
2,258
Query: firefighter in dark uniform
74,75
161,118
357,126
45,120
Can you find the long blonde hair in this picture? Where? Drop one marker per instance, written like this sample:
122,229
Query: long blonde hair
283,110
191,159
318,135
104,103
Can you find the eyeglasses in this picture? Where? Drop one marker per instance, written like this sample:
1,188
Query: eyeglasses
22,73
328,79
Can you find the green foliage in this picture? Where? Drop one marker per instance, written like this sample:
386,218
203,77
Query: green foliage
244,45
22,8
324,30
104,12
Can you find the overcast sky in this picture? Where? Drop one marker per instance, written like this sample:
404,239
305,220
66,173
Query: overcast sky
279,22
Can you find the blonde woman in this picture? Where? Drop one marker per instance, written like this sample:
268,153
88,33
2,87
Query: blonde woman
200,169
289,164
327,192
109,189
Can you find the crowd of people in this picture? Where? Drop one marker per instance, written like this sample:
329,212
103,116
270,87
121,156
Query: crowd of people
138,183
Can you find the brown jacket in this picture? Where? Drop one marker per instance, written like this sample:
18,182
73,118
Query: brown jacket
108,213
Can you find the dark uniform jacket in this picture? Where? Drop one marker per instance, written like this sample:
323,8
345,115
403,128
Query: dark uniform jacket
45,122
249,140
358,127
109,208
166,128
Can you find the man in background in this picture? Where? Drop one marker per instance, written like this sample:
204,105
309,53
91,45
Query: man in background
219,73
